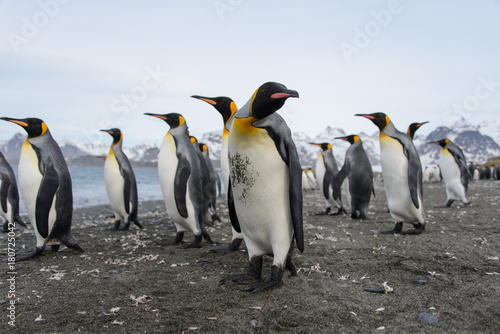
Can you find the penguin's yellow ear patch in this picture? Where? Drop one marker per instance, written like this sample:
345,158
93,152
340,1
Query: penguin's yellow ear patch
193,139
356,139
181,120
233,107
387,120
329,146
447,141
44,128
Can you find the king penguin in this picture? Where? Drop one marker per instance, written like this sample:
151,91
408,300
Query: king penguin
413,128
180,171
227,108
45,185
326,172
358,169
265,192
214,179
455,172
9,197
121,185
209,189
402,173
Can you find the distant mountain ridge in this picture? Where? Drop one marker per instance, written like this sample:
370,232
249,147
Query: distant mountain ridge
479,143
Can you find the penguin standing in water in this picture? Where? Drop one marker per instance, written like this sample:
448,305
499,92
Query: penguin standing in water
227,108
180,175
413,128
359,170
402,175
45,185
326,172
9,197
455,172
265,193
209,189
121,185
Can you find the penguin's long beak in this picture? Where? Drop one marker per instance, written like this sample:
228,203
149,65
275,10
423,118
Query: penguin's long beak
16,121
156,115
433,142
315,144
365,116
108,131
285,94
343,138
206,99
420,124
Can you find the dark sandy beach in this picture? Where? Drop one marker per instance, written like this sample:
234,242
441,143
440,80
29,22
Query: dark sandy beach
445,280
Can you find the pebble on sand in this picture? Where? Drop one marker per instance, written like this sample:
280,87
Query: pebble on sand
427,317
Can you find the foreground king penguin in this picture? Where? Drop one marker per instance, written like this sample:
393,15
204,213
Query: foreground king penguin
402,173
45,185
121,185
265,192
455,172
9,197
227,108
180,174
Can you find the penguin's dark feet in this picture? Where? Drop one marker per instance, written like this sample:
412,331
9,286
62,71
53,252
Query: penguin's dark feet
178,239
125,227
447,205
398,229
340,211
195,244
276,275
70,242
290,266
215,217
253,273
235,244
138,224
327,211
206,237
55,248
36,253
116,227
419,228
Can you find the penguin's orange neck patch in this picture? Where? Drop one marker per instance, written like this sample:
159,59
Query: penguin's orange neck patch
245,124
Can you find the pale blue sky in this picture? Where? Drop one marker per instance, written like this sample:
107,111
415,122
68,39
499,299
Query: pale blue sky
83,56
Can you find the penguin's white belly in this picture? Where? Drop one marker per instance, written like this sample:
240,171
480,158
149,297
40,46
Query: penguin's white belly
167,167
115,184
30,179
224,163
260,185
395,172
451,175
320,172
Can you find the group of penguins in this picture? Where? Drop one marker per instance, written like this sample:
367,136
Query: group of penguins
260,171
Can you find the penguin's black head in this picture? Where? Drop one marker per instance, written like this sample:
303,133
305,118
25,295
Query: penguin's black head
115,133
35,127
269,98
224,105
173,119
379,119
413,128
324,146
351,139
442,142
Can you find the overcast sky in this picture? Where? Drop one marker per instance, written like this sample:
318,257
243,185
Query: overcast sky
87,65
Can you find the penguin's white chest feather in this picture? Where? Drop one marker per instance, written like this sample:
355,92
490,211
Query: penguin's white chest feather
30,179
260,185
320,171
451,175
115,184
395,172
167,167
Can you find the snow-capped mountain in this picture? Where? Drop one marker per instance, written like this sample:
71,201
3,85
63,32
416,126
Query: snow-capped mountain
475,141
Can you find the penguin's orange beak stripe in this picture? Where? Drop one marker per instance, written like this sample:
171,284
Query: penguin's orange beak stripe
160,117
279,95
212,102
367,116
23,124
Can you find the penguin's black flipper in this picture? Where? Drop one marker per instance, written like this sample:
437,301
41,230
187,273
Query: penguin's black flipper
277,129
127,176
414,177
44,199
461,163
337,182
181,178
232,211
5,192
327,179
